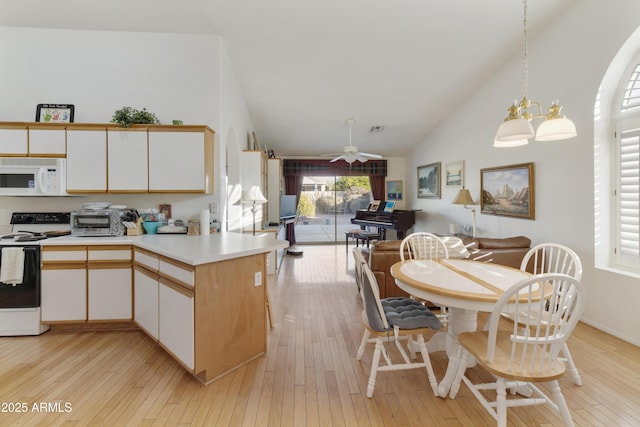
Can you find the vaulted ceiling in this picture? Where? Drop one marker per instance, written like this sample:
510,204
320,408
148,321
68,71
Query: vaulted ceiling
305,67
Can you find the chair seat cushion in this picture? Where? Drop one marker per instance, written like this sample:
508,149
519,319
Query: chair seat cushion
406,313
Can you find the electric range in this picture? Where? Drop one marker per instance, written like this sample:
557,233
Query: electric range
20,270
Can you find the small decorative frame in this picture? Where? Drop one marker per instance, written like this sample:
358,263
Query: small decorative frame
254,139
508,191
454,174
429,181
166,210
394,190
55,113
374,206
389,206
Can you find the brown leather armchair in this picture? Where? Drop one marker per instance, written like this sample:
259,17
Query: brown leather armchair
507,251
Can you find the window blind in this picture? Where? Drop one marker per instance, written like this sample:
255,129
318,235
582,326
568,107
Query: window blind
629,198
631,98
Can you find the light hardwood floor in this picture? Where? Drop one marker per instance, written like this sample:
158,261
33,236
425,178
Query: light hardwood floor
310,375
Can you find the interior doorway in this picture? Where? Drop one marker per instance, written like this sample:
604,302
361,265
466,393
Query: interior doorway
326,206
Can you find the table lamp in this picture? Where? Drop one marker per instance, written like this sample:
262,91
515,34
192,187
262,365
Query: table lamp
255,197
464,198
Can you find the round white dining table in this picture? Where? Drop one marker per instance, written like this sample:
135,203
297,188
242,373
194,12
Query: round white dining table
465,287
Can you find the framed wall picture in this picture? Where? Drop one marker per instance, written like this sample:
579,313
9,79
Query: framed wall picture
429,181
454,174
255,146
54,113
394,190
508,191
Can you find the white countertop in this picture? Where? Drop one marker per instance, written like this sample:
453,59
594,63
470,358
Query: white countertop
192,250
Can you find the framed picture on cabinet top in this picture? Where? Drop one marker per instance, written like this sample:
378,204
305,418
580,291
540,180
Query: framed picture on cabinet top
55,113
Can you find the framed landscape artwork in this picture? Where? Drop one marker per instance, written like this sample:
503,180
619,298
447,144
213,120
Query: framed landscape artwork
394,190
454,174
429,181
508,191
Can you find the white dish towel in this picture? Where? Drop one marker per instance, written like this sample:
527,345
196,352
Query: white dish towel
12,266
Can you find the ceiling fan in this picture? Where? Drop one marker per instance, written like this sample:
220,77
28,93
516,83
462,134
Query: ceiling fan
351,153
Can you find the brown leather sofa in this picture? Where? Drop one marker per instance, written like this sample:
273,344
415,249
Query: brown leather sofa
507,251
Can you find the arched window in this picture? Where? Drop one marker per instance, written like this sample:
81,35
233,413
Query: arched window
626,171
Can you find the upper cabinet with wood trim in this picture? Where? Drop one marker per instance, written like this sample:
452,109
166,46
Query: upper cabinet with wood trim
127,165
47,140
13,140
32,140
106,158
180,159
86,160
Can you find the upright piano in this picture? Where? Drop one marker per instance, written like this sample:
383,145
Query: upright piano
398,220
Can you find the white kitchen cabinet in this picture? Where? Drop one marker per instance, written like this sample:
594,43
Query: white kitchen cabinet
164,303
13,141
176,327
87,160
177,271
146,300
147,259
82,283
109,293
107,158
64,283
64,294
181,161
47,141
109,282
127,161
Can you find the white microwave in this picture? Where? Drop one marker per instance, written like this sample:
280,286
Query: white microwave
30,176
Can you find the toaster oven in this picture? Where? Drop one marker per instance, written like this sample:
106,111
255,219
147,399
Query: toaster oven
96,222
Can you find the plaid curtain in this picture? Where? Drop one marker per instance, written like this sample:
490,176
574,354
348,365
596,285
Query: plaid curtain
294,167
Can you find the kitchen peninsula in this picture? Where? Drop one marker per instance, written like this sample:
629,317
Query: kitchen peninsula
201,298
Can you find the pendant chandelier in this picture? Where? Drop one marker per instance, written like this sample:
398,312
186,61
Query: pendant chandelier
517,129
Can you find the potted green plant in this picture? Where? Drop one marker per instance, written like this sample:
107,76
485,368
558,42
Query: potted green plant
127,116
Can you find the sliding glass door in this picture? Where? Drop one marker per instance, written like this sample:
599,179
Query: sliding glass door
327,205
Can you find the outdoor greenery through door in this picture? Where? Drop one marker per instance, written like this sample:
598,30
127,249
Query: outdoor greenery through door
327,205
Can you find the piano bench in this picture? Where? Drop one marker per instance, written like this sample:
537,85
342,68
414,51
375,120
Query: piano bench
364,235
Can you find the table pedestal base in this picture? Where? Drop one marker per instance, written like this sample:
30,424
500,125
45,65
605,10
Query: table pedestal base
460,320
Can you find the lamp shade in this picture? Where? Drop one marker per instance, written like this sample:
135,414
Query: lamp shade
515,143
464,198
254,195
556,129
514,130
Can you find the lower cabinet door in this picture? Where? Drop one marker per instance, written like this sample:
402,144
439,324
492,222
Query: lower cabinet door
110,294
176,324
64,295
146,302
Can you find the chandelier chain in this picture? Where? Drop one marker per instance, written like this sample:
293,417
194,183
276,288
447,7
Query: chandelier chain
525,66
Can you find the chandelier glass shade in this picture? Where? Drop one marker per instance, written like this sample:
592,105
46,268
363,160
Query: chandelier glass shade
517,128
